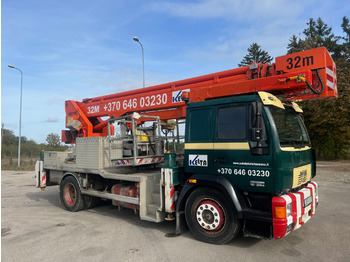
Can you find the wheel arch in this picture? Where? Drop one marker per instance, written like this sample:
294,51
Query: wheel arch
72,174
217,182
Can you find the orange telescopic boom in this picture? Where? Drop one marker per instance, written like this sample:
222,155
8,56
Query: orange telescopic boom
305,75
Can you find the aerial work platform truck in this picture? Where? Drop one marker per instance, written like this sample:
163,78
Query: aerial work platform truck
223,153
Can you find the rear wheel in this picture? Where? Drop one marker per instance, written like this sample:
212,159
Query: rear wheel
70,195
211,217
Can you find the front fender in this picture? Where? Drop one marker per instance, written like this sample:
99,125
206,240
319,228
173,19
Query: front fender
218,182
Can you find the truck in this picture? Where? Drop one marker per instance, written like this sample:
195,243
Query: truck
220,153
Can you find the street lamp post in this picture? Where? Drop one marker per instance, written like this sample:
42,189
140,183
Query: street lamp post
143,59
20,116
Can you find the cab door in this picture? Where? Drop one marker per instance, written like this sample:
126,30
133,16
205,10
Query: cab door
233,157
199,141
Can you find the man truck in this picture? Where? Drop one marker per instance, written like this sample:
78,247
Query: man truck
223,153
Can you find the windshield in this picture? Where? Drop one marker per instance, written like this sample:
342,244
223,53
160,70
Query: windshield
290,127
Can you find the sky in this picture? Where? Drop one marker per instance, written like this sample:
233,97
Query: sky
71,50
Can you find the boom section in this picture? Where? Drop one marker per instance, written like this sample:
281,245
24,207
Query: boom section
305,75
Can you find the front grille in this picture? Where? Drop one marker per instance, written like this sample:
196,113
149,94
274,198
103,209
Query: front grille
301,175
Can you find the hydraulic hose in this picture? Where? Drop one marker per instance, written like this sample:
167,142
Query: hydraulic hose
301,78
322,86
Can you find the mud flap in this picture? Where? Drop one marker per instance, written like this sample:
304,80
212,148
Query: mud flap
40,175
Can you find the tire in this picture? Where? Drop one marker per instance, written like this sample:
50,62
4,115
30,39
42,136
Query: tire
211,217
90,201
70,195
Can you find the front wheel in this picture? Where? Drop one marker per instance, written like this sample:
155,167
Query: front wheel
70,195
211,217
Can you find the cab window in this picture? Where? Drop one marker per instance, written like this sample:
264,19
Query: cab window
232,123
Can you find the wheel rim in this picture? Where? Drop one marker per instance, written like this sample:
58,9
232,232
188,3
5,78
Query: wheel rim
210,216
70,194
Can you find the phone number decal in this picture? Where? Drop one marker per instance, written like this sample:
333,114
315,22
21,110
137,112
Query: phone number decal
244,172
132,103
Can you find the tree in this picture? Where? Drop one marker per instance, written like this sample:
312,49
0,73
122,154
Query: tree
53,140
255,55
317,34
294,45
9,137
346,29
30,150
317,29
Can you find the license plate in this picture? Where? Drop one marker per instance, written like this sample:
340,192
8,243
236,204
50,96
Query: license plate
307,201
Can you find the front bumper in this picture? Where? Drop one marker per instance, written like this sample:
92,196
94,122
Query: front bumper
302,206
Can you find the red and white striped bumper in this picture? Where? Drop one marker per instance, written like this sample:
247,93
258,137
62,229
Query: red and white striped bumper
299,206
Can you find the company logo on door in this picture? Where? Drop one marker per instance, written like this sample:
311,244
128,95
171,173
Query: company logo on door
198,160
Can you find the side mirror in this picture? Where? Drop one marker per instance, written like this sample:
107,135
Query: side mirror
256,130
258,137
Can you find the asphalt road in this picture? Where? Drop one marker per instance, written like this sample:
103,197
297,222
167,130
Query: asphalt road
34,227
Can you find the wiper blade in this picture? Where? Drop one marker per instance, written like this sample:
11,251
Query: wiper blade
294,143
301,144
287,142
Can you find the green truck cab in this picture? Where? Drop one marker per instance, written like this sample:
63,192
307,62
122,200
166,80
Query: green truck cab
248,164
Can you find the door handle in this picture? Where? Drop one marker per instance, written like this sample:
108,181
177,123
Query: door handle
220,160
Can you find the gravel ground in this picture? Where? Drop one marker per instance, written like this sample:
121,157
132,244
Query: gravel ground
35,227
333,171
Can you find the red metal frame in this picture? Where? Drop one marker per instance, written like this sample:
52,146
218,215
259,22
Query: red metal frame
164,100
